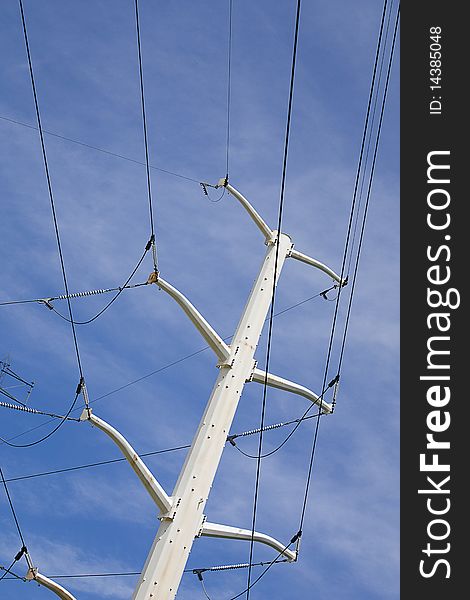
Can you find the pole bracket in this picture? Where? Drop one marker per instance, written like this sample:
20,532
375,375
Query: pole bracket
280,383
153,487
33,574
237,533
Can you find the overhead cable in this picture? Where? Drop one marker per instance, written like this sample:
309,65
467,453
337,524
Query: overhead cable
230,438
175,362
49,186
271,315
98,149
113,299
356,185
229,86
48,435
216,568
12,508
371,177
144,125
315,436
86,294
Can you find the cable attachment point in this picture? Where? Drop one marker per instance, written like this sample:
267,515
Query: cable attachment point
20,554
335,393
231,439
153,277
79,386
324,294
333,382
199,573
222,182
46,302
82,389
150,242
296,537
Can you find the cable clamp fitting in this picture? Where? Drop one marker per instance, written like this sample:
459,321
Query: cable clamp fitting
153,277
20,554
333,381
199,573
296,537
231,439
222,182
46,302
80,385
150,242
324,294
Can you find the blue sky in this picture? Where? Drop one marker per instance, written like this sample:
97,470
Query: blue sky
85,61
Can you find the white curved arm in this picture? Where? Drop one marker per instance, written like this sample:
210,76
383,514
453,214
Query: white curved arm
157,493
212,338
33,574
259,221
290,386
316,263
236,533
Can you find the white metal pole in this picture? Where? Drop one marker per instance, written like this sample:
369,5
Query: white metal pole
167,558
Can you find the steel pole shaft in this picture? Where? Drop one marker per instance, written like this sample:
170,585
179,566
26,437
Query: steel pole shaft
167,558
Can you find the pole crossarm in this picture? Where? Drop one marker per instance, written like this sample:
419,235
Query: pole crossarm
157,493
270,234
313,262
34,575
290,386
259,221
209,334
237,533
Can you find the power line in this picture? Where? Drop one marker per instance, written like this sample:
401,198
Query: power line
315,436
229,95
230,438
86,294
365,130
27,409
23,550
49,185
115,297
297,421
12,508
273,562
144,124
8,570
356,184
95,464
229,86
176,362
98,149
371,177
48,435
271,316
134,573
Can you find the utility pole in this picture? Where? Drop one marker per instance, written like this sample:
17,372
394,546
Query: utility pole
182,517
7,374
